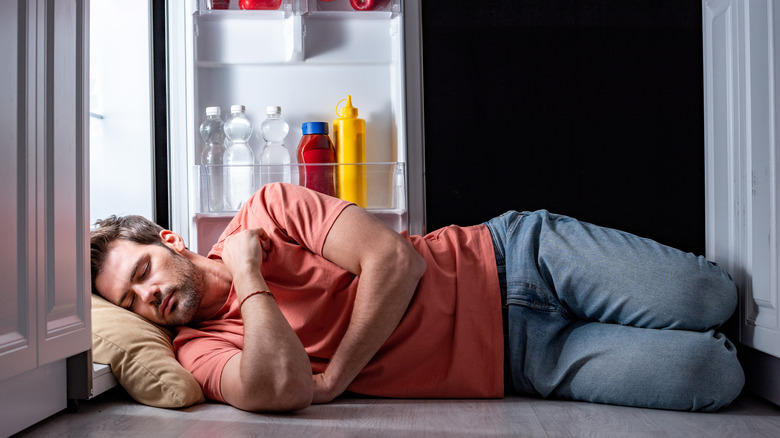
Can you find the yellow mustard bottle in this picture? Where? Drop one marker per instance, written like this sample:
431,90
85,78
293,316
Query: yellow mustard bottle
350,137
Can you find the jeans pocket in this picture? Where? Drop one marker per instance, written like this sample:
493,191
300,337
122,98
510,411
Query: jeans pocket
533,297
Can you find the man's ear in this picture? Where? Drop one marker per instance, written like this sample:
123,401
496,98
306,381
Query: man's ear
173,240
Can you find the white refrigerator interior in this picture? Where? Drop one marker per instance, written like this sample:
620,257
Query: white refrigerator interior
304,57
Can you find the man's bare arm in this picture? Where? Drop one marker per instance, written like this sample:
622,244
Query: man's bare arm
273,372
389,269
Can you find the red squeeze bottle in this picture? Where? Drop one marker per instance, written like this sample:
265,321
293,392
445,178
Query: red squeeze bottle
316,148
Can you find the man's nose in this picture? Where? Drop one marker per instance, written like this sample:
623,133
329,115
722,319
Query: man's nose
149,293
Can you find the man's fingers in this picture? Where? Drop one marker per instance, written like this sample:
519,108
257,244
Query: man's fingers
265,239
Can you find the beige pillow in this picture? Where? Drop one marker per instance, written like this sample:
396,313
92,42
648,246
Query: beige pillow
141,357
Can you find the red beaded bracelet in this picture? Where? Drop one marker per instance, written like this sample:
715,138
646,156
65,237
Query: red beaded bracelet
257,292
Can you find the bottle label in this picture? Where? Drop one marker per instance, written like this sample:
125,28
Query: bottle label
321,178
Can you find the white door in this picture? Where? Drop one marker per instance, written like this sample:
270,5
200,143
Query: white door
44,269
741,40
17,314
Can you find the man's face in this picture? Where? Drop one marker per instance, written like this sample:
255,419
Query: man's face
153,281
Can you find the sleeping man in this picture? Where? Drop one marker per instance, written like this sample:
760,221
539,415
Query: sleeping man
306,296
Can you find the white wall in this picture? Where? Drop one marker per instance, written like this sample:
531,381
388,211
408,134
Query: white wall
121,143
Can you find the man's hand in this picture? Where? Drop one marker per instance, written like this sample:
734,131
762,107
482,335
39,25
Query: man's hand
245,251
389,269
324,391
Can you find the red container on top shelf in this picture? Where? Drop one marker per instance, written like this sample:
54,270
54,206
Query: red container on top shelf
316,148
219,4
368,5
269,5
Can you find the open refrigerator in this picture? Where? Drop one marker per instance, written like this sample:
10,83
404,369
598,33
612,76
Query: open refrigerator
305,57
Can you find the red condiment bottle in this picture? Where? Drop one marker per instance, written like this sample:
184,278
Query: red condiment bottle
316,148
260,4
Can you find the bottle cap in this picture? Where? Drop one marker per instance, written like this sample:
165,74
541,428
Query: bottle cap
213,111
314,128
237,108
349,110
273,110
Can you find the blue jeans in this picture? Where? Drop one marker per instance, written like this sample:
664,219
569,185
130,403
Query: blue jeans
600,315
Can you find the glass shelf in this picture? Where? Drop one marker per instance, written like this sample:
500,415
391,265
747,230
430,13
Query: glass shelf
384,183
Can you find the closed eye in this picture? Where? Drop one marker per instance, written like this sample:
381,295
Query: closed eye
143,275
132,300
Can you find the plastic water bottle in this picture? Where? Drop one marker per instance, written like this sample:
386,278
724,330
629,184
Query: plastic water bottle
274,156
238,159
213,135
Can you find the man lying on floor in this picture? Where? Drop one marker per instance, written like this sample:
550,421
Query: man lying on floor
306,296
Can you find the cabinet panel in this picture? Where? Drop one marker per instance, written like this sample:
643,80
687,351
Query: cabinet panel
721,132
761,318
17,330
64,283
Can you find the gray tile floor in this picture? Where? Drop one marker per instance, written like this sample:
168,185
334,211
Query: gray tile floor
115,414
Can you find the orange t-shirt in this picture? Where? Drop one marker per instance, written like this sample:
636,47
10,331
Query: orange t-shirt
449,343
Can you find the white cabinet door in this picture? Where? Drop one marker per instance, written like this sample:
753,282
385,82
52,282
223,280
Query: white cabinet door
743,216
44,265
61,180
17,314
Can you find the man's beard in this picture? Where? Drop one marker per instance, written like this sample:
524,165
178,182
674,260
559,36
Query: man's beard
190,285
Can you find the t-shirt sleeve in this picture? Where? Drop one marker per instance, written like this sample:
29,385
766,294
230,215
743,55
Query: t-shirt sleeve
204,356
300,214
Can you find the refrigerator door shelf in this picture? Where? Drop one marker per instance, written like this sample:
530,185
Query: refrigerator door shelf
246,37
350,38
319,6
385,190
274,37
209,226
385,183
298,7
286,7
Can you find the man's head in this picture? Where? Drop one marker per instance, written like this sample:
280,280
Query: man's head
138,265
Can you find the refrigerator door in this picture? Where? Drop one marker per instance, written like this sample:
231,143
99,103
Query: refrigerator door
306,56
